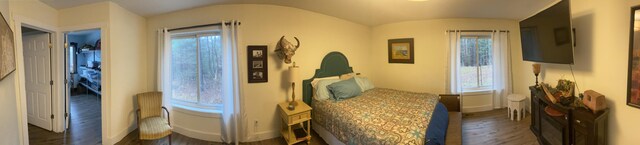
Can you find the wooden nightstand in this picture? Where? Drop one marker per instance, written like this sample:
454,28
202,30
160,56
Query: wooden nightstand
293,121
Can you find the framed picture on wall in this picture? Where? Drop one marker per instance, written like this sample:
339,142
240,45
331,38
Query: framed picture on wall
7,51
633,78
258,71
401,50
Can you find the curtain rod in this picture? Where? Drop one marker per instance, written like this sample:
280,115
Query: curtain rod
476,30
198,26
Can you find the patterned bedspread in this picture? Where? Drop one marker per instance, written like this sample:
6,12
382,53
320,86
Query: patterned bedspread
378,116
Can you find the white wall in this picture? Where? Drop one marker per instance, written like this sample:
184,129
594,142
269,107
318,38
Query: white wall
264,25
429,72
601,58
128,68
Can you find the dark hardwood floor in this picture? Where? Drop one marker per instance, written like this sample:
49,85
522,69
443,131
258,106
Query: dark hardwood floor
84,125
482,128
179,139
494,128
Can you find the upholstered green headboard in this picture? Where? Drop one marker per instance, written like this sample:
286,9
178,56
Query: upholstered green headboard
333,64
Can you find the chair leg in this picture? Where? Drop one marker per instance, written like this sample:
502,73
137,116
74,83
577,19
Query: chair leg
170,138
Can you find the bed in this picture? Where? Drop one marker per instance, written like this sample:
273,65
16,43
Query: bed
378,116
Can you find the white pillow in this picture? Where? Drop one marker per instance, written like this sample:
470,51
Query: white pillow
364,83
315,81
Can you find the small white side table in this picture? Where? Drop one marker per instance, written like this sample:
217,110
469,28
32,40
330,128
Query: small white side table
516,105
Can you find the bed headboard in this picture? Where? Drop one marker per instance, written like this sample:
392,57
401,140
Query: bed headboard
333,64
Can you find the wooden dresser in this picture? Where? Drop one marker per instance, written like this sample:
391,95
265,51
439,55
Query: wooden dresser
579,126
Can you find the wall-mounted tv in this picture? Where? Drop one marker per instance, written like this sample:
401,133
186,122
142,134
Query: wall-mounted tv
547,36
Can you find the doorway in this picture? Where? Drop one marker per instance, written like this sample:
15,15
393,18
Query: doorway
38,77
83,90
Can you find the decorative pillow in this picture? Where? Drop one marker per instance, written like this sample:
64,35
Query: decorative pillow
345,89
347,76
322,93
364,83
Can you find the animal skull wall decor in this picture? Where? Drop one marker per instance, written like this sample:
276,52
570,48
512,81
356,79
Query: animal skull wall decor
286,50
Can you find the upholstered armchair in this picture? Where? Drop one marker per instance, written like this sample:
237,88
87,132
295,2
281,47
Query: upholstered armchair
151,124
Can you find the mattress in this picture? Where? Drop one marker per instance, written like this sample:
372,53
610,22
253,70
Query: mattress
383,116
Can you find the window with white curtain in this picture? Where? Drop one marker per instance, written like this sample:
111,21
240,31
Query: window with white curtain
196,69
476,62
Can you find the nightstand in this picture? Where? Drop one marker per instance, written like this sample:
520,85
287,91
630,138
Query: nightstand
293,129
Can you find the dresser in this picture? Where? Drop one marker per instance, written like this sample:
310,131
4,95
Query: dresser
579,126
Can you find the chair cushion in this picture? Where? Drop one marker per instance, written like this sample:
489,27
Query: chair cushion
154,128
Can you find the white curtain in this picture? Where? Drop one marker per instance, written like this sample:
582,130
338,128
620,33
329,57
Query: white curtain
164,66
453,73
231,81
502,81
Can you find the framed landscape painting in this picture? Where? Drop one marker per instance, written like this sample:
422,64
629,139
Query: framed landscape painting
633,78
401,50
7,52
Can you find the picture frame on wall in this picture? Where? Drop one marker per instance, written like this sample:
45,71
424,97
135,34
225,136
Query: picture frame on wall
401,50
258,71
7,50
633,75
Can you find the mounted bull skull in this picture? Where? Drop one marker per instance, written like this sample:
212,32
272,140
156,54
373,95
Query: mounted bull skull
286,50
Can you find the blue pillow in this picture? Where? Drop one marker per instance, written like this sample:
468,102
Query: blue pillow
345,89
322,93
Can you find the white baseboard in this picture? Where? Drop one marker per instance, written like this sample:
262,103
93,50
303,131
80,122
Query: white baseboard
472,109
264,135
208,136
120,136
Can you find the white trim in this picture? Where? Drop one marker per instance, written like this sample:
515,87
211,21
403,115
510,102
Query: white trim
477,92
216,137
18,22
481,108
197,111
263,135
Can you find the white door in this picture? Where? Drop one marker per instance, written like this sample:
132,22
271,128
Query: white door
37,61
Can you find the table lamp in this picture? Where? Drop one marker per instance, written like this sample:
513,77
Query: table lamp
536,71
293,75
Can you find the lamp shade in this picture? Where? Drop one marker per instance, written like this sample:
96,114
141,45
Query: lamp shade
293,73
536,68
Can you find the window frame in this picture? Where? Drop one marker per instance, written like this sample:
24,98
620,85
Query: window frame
196,105
478,86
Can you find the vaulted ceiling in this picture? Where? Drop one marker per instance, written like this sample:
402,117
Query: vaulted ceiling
367,12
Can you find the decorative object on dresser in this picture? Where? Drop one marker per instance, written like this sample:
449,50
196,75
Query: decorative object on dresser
7,50
401,50
536,71
293,75
633,74
258,70
293,128
286,49
574,126
594,101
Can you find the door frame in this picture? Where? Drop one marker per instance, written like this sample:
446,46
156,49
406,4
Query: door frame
106,74
58,62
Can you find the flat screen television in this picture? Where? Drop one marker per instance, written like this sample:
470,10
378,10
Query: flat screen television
547,36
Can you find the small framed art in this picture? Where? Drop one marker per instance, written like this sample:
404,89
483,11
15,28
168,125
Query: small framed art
401,50
258,71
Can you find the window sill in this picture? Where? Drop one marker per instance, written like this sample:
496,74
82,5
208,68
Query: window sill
210,113
477,92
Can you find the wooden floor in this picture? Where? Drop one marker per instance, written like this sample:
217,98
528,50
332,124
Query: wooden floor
179,139
494,128
84,125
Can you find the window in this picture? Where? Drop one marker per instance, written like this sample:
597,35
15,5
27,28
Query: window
476,62
196,69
